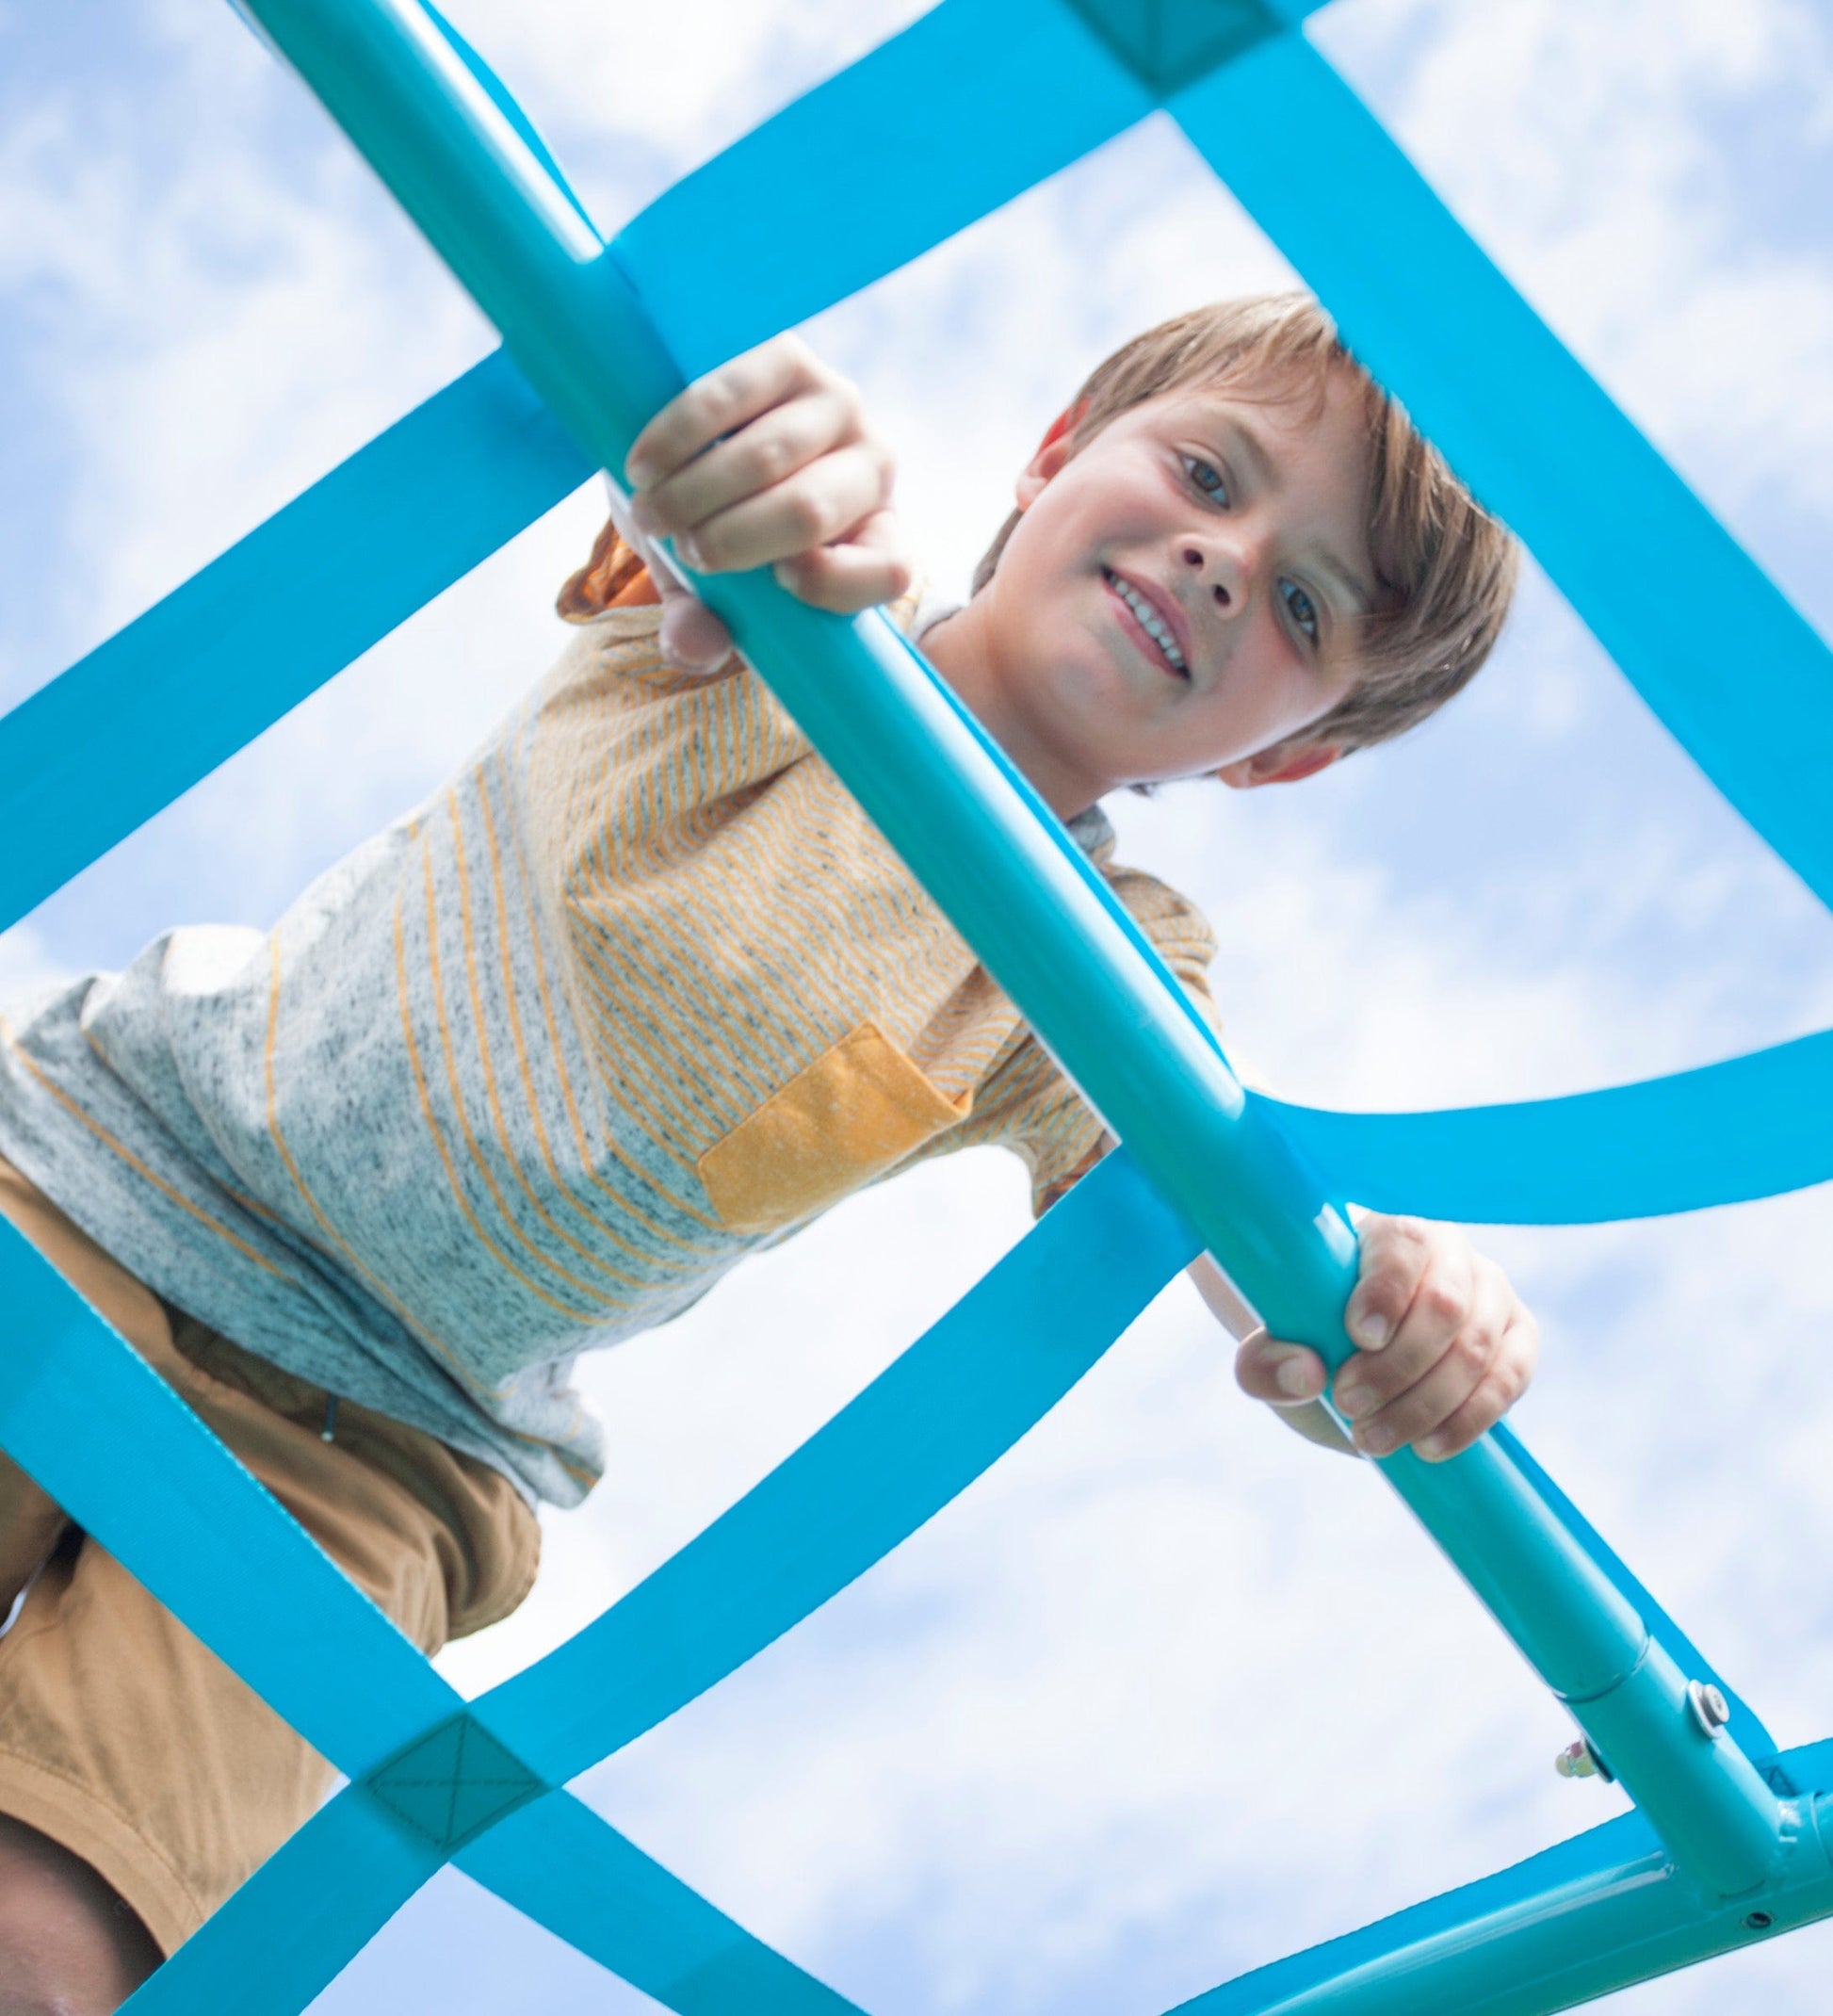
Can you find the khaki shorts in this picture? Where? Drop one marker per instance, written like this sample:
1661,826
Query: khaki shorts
121,1736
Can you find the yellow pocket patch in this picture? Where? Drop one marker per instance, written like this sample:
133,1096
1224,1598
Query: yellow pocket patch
855,1111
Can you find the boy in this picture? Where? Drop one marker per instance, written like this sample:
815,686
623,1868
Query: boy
642,990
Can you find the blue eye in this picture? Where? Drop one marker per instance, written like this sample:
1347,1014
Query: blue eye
1208,477
1303,610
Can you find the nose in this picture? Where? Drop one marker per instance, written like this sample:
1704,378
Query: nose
1225,569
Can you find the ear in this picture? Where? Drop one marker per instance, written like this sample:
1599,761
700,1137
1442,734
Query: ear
1284,763
1058,445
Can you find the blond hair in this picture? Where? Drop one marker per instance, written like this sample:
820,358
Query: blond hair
1445,568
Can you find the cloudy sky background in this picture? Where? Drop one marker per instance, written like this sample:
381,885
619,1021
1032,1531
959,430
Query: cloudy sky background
1167,1694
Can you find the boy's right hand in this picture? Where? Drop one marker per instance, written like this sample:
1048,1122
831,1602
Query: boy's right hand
1444,1347
766,461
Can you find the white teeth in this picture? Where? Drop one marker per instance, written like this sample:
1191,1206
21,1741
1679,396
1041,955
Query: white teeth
1150,621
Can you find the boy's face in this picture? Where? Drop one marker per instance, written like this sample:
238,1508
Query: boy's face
1180,597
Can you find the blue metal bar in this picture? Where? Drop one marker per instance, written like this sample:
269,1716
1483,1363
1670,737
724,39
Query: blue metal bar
1753,1738
578,330
1594,1915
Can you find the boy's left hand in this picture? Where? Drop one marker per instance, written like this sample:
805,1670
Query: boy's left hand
768,461
1445,1346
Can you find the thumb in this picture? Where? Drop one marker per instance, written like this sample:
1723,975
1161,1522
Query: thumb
691,636
1280,1373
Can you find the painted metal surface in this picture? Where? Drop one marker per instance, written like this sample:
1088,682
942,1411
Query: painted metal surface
1596,1915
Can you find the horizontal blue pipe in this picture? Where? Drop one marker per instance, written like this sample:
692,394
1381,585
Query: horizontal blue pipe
1594,1915
949,807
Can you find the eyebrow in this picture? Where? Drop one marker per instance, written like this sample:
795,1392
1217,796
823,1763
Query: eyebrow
1261,468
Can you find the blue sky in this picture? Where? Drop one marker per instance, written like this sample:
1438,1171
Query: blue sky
1068,1749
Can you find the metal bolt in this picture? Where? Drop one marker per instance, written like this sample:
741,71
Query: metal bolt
1579,1760
1710,1709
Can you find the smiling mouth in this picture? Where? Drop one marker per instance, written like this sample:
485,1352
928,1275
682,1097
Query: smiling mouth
1149,622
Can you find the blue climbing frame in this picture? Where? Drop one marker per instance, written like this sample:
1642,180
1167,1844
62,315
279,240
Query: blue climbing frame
1726,1844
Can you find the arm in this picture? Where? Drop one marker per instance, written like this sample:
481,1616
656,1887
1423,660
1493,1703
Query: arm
766,461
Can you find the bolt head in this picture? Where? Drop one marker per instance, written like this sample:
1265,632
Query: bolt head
1710,1709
